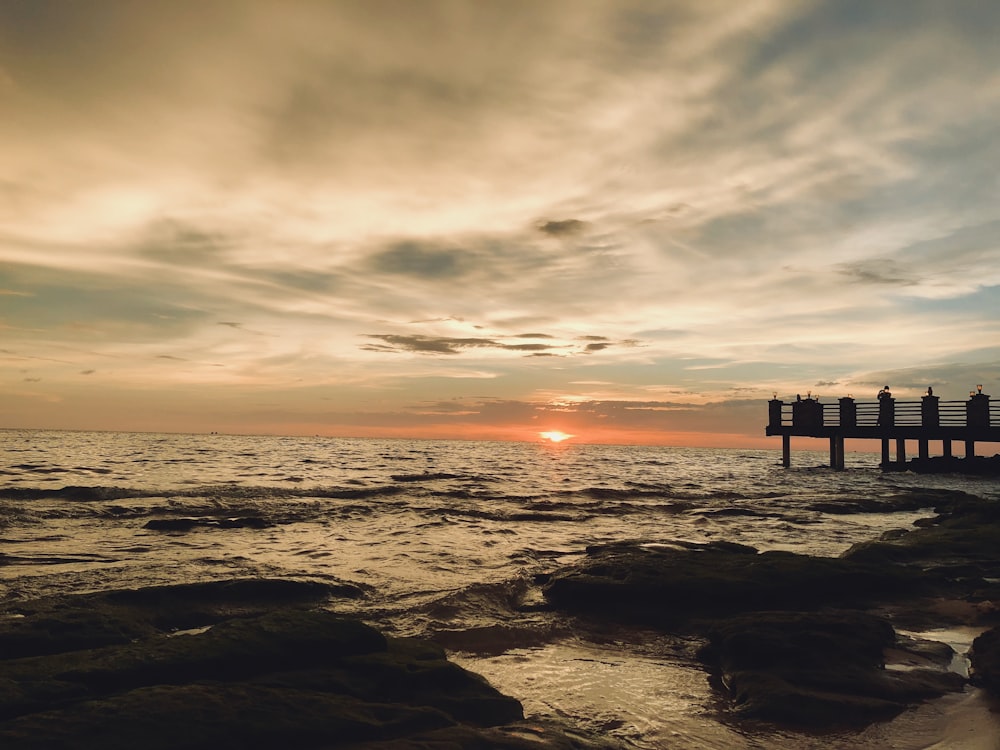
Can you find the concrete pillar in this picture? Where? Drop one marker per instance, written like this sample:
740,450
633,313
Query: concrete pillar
848,413
923,449
807,414
887,412
774,412
885,451
970,448
786,451
977,412
946,448
900,451
930,415
840,452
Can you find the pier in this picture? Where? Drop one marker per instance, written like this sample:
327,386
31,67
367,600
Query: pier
928,420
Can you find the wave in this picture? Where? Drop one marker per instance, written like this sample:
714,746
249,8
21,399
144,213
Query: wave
91,493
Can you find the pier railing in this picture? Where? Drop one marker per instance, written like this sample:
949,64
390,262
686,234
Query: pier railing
904,414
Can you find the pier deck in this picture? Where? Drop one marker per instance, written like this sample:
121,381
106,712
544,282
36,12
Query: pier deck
929,419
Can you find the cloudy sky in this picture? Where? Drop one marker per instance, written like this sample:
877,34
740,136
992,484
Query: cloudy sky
630,220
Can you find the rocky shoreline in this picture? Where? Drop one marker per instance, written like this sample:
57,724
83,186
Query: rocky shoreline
802,641
807,641
239,663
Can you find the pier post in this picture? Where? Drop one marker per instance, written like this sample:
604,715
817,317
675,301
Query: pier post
930,412
885,451
887,412
786,451
848,413
946,448
901,451
970,448
977,411
774,413
807,414
923,449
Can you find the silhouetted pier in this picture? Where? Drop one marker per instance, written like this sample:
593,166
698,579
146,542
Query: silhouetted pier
927,420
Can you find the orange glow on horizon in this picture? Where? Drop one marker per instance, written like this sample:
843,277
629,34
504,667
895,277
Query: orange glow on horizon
555,436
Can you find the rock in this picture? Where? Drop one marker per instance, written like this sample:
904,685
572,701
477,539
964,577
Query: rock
667,584
523,735
289,677
67,623
977,465
955,552
780,651
187,523
984,658
817,669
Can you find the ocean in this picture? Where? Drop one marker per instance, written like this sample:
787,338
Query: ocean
447,538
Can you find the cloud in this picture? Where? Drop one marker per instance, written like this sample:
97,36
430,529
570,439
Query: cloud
878,271
563,228
423,344
420,260
443,345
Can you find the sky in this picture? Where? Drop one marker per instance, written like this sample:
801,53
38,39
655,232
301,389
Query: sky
632,221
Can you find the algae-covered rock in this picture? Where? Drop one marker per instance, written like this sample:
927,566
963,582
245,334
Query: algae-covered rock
289,677
955,552
663,584
65,623
984,660
214,715
816,669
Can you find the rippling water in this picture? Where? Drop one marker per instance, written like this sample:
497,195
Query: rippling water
447,535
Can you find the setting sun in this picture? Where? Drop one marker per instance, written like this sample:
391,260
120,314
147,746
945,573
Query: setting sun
555,436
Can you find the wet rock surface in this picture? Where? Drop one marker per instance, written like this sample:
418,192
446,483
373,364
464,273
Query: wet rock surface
805,668
795,639
256,665
985,660
669,584
975,465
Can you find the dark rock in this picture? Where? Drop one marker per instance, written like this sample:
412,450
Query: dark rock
290,677
213,715
957,549
67,623
804,664
816,669
187,523
976,465
984,660
534,735
668,584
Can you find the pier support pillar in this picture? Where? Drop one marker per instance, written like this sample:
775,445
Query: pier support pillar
786,451
885,451
923,449
970,448
900,451
837,453
946,448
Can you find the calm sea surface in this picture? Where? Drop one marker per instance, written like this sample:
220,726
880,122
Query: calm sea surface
447,537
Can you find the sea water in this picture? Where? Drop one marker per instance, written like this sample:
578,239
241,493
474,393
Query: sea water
446,538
